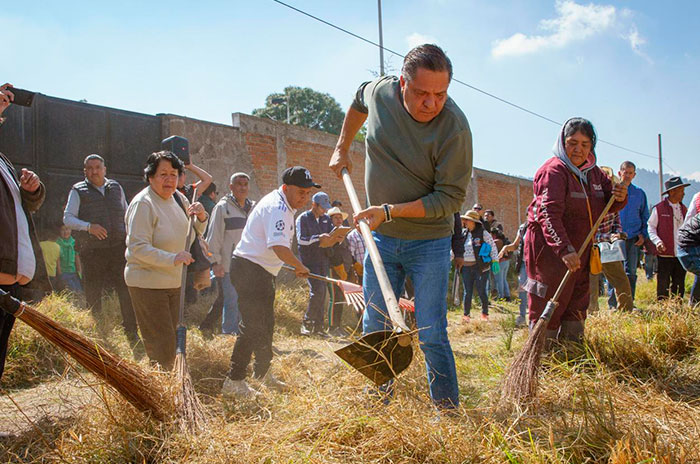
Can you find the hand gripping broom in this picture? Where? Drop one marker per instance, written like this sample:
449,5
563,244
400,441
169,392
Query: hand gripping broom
191,414
521,380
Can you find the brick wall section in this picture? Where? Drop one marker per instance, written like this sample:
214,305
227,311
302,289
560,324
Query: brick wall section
263,155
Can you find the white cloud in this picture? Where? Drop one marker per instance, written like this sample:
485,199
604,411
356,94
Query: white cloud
695,176
416,39
573,23
636,42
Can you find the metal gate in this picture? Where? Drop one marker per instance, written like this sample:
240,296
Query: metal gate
53,136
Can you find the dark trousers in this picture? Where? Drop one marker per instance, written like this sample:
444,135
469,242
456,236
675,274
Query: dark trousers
337,302
103,269
256,301
158,313
472,277
7,321
671,275
213,317
313,318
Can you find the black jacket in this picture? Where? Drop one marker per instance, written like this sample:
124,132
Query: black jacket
689,233
8,233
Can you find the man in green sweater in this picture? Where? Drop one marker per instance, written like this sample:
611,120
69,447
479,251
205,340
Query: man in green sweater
418,136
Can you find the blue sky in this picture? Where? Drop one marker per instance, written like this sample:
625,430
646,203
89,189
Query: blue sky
631,67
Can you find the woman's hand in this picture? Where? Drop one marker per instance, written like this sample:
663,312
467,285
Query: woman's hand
197,209
184,257
572,261
619,191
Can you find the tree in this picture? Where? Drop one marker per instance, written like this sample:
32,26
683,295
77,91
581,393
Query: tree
307,108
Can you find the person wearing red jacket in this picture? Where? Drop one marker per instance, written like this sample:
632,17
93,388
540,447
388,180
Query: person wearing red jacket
570,193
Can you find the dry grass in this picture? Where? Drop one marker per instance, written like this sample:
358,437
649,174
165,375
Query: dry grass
628,397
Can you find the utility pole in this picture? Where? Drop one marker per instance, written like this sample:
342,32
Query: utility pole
381,39
661,172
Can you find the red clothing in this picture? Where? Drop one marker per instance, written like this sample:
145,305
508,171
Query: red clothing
558,223
664,228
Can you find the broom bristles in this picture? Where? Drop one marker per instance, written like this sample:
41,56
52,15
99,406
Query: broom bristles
521,381
191,414
126,378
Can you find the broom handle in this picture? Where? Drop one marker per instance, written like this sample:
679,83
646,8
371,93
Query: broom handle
314,276
568,274
387,291
183,280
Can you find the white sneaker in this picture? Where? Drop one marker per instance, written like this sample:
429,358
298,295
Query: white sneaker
520,321
237,389
273,383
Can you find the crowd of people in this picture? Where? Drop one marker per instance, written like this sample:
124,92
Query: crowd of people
415,133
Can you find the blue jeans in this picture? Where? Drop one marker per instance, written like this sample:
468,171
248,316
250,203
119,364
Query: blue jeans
471,276
427,263
502,280
71,281
690,260
314,316
231,317
522,294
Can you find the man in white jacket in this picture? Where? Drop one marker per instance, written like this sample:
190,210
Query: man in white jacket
228,218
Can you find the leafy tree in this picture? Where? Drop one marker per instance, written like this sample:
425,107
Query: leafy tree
307,108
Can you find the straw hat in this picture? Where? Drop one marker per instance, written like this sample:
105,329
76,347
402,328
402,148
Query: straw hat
472,215
611,175
335,210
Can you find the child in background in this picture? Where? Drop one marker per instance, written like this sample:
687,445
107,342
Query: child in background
70,262
52,255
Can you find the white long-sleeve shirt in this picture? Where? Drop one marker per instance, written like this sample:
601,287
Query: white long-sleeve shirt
70,214
653,223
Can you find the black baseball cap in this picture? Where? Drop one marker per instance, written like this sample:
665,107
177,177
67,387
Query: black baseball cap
298,176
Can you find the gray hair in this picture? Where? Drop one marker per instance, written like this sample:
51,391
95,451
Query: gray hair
94,156
236,175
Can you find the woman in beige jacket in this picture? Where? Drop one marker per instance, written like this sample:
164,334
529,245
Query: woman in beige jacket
156,253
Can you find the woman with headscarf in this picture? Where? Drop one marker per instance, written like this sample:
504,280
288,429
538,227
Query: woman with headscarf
570,193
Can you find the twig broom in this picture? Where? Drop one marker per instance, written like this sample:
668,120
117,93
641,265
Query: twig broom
521,381
189,409
131,382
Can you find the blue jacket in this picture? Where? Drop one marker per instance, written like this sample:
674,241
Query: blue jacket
635,215
308,230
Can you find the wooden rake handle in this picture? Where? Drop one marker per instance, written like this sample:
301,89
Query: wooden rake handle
387,291
314,276
183,280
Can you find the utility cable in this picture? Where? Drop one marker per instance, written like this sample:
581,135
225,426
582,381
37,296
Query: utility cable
477,89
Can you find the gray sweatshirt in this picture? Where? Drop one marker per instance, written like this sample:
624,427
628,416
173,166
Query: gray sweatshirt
408,160
225,227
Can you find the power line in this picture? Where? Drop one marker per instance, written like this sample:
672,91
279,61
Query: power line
477,89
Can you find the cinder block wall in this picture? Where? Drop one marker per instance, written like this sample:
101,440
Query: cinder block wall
264,148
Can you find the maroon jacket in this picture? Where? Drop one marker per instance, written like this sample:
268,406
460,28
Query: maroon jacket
558,223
